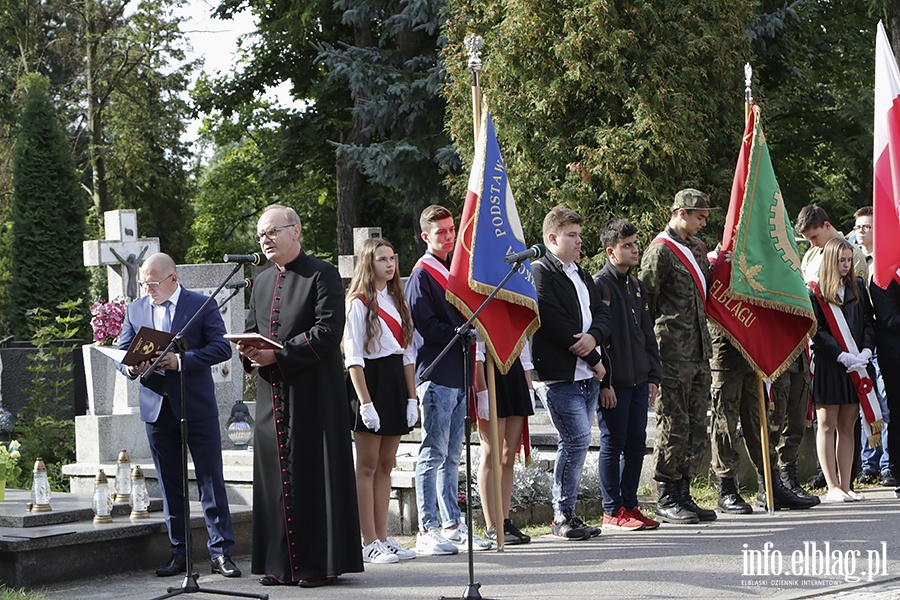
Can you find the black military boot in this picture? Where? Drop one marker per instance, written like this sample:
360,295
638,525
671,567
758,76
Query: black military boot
684,488
669,507
790,481
730,500
784,498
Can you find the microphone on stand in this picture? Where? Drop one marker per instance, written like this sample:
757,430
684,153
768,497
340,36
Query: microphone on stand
239,285
255,259
536,251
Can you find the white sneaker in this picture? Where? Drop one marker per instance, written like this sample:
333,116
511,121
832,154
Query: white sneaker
401,552
459,536
431,542
378,553
856,496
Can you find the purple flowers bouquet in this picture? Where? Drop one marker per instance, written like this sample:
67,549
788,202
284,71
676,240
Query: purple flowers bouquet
107,319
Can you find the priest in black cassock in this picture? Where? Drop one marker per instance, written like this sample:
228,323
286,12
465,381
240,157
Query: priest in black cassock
305,519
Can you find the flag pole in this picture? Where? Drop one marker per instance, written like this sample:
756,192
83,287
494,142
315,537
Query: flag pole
474,44
760,386
764,442
496,450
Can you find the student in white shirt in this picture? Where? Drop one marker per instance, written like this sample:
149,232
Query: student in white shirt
380,359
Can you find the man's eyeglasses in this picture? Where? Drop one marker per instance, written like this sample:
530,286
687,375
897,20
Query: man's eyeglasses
271,233
862,228
152,285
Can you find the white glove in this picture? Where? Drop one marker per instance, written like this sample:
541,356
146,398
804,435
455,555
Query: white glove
865,356
847,359
482,407
533,403
412,412
370,416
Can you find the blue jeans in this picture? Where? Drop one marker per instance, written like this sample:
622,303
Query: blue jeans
623,442
437,469
572,408
876,460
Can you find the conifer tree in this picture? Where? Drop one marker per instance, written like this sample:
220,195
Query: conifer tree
48,211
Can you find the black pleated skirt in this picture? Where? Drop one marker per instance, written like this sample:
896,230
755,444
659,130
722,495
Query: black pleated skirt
513,399
387,387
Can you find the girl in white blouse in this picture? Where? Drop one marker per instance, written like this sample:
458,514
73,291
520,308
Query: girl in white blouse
380,360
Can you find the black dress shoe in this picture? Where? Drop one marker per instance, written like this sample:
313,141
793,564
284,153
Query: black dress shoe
225,566
175,566
311,582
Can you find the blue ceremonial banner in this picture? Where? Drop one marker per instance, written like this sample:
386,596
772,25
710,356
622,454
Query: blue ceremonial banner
489,230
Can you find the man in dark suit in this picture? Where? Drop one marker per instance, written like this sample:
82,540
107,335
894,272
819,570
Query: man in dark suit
168,307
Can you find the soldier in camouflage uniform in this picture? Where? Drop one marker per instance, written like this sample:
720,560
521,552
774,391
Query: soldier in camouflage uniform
677,306
791,392
735,415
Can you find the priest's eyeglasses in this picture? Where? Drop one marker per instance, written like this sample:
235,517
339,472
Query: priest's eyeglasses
152,285
271,232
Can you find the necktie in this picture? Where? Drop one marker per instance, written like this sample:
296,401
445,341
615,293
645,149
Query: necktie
167,320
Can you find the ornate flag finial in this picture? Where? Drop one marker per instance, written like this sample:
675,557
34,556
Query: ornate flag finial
474,44
748,81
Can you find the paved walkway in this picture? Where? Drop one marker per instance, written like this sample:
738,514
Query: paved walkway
725,559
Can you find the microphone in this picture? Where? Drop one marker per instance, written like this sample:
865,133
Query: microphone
247,283
255,259
535,251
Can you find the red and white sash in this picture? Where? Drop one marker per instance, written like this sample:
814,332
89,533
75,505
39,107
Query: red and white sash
873,421
686,257
392,324
435,268
440,274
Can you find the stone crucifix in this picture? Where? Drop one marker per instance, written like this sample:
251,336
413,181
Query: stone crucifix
121,252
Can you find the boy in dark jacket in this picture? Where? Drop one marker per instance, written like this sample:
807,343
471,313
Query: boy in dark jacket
631,383
566,356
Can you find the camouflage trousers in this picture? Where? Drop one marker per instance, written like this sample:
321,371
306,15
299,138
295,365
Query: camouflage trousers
681,407
735,417
792,391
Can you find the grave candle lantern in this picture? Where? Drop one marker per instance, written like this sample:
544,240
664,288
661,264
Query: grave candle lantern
123,478
101,502
40,488
140,498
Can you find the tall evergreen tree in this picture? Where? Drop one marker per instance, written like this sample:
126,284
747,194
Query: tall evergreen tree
367,75
48,209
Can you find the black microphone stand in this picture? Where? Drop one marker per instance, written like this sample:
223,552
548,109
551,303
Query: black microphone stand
179,345
466,337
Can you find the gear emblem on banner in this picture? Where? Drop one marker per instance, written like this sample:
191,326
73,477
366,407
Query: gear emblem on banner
782,234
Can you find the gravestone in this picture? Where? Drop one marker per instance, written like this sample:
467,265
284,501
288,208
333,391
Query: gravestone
347,262
121,252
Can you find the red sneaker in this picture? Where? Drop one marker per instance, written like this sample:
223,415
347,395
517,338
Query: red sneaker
622,521
649,523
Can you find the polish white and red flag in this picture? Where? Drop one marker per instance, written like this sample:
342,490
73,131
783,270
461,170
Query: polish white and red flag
886,174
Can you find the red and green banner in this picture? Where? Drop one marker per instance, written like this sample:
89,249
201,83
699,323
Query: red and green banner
756,294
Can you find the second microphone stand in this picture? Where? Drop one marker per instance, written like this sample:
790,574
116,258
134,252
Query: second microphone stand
466,337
